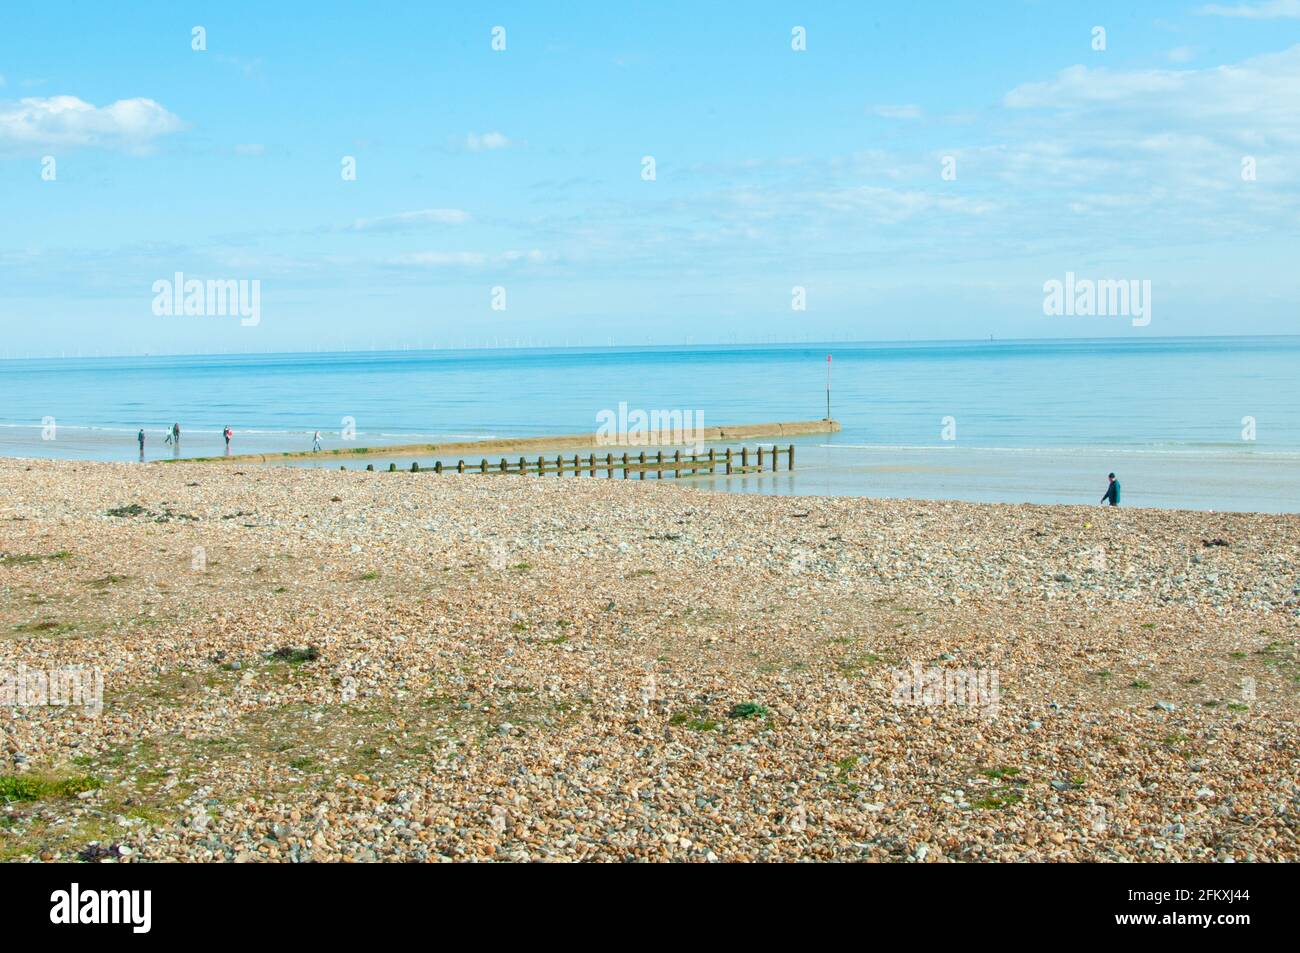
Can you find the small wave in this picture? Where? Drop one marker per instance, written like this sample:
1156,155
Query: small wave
1158,450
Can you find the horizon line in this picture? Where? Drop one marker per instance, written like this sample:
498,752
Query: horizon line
991,339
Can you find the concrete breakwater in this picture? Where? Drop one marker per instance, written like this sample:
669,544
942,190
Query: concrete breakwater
525,444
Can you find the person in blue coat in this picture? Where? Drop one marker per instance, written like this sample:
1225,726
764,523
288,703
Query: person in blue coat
1112,491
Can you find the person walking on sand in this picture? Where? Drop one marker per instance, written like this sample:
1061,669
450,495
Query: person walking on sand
176,434
140,438
315,442
1112,491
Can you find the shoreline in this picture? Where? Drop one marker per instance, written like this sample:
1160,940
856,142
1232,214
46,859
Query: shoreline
1204,479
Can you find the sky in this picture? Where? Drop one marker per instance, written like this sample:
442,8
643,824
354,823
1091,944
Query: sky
915,171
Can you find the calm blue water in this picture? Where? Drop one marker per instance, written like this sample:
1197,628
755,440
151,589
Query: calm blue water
1158,396
1172,393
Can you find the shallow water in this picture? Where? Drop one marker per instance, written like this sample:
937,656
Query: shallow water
1039,421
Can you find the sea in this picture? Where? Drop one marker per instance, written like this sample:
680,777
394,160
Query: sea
1210,423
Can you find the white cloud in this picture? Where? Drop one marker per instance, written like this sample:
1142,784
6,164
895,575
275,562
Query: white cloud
908,111
428,216
1181,54
1079,85
1251,100
1270,10
476,142
250,149
470,259
128,124
890,206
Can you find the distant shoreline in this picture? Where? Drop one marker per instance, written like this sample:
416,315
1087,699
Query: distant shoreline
882,343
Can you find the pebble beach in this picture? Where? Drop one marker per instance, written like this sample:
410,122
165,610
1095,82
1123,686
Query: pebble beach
315,665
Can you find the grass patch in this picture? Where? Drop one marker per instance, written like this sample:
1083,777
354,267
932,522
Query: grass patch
998,800
296,656
131,509
694,719
46,627
20,559
747,710
369,576
109,579
856,664
1138,683
36,787
1000,773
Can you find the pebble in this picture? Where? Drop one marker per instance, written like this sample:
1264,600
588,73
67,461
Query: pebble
574,699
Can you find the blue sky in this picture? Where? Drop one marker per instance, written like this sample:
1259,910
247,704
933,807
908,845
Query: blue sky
522,169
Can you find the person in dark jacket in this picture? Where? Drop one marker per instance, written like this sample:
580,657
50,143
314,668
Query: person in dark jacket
1111,495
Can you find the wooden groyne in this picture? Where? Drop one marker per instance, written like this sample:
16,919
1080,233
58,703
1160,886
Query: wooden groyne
529,445
728,460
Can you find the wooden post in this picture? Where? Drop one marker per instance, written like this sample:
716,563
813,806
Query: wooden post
577,467
642,476
609,466
460,466
521,466
760,459
659,473
370,466
791,457
437,467
505,467
712,461
559,465
728,461
677,459
392,468
624,464
415,466
744,456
